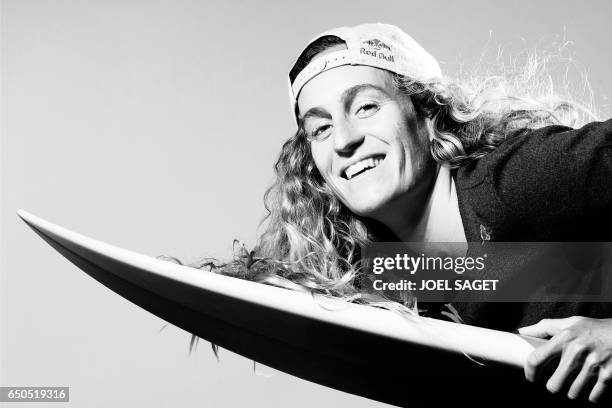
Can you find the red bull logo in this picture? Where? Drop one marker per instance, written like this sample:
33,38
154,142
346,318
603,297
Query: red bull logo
375,48
377,44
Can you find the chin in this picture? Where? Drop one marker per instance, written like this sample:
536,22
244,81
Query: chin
366,208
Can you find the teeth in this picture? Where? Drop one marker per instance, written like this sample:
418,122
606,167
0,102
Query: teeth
369,163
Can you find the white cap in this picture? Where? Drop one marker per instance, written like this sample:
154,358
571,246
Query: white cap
379,45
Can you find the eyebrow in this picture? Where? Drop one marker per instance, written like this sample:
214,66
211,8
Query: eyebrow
347,98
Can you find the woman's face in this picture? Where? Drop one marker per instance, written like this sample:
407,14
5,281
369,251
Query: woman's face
366,139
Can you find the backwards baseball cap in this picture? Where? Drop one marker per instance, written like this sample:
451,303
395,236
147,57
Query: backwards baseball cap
379,45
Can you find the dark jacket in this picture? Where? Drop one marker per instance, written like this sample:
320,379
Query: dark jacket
553,184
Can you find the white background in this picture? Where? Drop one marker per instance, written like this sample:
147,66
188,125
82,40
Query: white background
154,125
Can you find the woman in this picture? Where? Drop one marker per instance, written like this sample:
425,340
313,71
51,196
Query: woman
387,149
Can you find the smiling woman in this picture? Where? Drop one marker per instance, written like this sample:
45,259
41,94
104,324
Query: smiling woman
388,149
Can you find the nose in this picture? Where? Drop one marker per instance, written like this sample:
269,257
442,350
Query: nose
346,138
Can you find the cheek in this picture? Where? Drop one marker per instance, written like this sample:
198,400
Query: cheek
322,157
416,145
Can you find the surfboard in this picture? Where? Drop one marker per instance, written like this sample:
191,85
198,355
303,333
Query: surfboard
367,351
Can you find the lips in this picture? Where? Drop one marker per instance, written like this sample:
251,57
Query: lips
362,166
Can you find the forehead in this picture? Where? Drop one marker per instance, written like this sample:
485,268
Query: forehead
328,87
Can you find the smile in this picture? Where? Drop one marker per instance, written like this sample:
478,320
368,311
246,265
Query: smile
362,166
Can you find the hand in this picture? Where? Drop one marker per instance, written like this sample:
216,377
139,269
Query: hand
583,347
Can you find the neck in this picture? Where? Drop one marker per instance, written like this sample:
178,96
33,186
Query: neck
438,220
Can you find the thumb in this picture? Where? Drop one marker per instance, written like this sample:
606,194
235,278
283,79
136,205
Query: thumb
546,327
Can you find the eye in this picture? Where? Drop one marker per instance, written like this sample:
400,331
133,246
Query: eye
366,110
320,132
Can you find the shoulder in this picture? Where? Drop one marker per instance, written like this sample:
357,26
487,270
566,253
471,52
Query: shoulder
533,154
551,147
552,174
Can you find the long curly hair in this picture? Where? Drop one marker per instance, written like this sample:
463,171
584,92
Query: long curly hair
311,241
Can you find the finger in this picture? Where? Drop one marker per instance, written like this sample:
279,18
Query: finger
539,357
541,329
571,362
548,327
585,378
601,388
